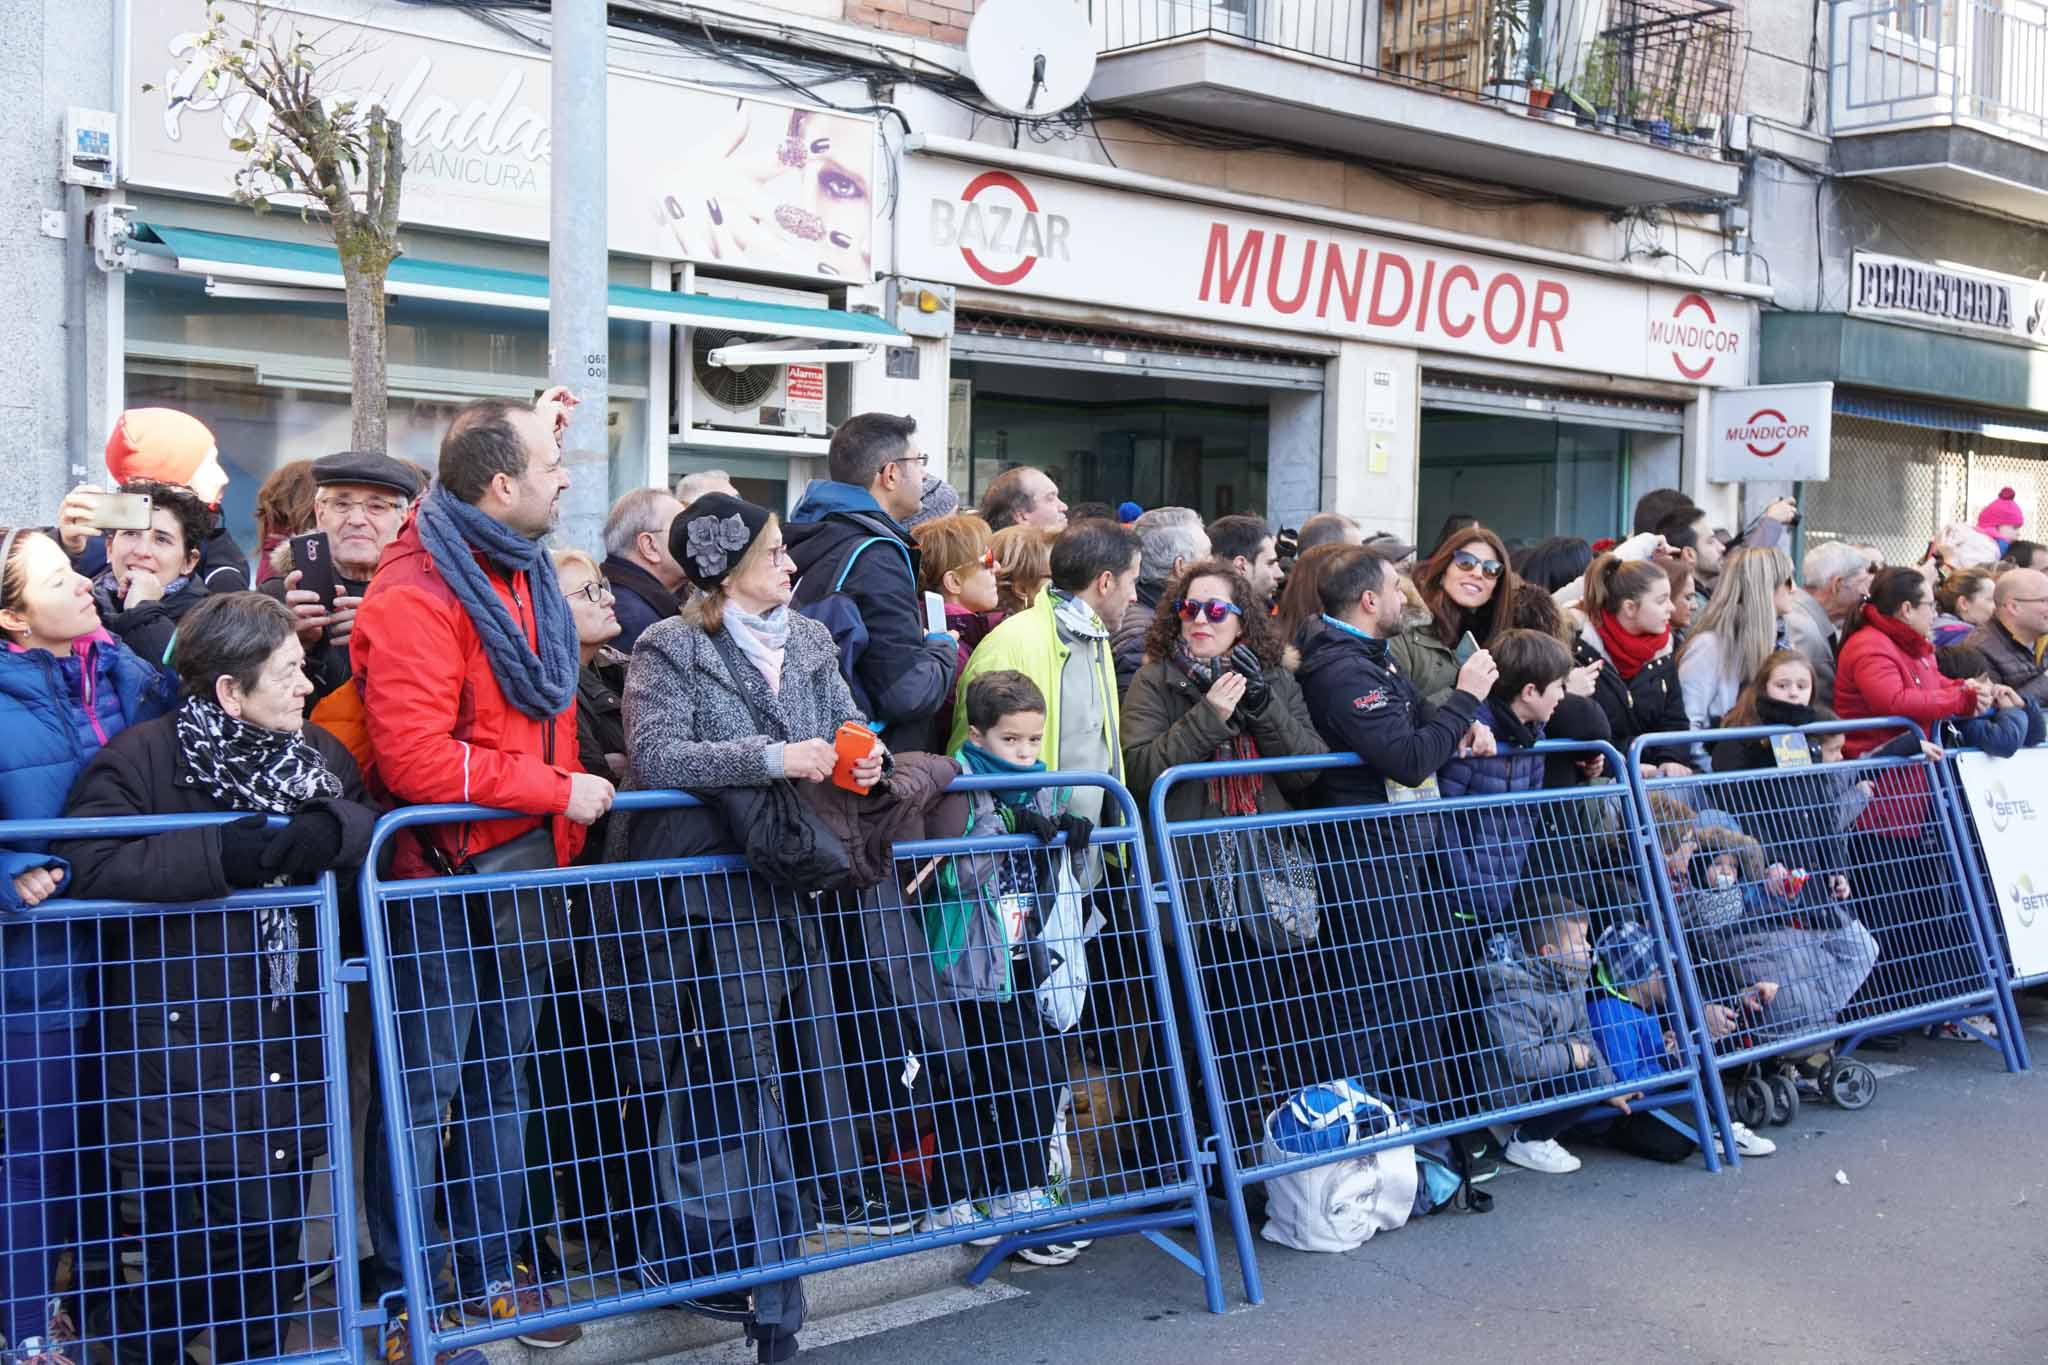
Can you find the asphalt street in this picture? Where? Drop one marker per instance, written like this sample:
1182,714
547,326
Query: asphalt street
1934,1250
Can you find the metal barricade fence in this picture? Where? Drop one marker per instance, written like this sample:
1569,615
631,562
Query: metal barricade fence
740,1086
1970,841
174,1086
1818,903
1436,954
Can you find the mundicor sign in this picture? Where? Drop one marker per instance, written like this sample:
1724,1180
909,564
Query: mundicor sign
693,174
1068,239
1777,432
2009,803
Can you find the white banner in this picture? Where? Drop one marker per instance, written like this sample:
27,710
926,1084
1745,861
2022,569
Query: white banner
1773,432
1068,239
693,174
2009,802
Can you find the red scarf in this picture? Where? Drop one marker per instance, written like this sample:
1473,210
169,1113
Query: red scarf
1628,652
1916,645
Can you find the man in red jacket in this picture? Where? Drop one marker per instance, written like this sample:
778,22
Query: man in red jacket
465,655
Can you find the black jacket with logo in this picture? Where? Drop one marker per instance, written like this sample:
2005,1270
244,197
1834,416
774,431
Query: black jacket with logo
1362,704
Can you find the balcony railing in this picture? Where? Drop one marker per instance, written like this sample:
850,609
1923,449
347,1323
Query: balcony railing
1901,63
1667,71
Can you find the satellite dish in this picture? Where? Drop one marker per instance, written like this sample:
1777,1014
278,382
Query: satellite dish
1032,58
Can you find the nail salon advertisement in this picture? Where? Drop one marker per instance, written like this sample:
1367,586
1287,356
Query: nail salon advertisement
2008,800
695,174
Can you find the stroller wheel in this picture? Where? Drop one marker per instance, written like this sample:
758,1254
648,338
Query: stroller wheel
1751,1103
1851,1084
1784,1099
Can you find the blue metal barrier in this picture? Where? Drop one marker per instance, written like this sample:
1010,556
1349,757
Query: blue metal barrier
785,1088
201,1092
1417,950
1820,904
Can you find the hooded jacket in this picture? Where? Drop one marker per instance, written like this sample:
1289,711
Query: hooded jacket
1534,1011
440,727
903,676
56,714
1361,704
1029,642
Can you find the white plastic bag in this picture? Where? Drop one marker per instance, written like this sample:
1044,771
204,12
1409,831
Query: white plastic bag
1341,1205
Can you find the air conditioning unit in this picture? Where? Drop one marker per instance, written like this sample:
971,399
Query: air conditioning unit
758,398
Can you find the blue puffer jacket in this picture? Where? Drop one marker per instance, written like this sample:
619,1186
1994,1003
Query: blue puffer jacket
1484,849
55,714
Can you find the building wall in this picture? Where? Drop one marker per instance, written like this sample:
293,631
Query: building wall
54,56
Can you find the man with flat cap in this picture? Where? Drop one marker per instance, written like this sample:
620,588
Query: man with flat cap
359,501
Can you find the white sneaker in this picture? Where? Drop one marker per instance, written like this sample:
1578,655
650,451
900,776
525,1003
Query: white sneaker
1747,1142
1546,1156
963,1214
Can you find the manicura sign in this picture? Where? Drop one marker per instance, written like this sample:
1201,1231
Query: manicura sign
1051,237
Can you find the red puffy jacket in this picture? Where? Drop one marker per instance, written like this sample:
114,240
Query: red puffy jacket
440,729
1875,677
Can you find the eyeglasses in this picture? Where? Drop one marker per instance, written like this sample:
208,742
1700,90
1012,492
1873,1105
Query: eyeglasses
918,459
1216,609
598,594
986,561
1465,559
370,507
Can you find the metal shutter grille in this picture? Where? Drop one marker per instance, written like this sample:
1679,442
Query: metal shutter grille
1895,487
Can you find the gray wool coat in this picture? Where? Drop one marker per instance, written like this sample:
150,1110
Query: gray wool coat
687,719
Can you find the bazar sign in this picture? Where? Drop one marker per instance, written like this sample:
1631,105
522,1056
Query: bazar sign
1951,296
1778,432
1068,239
762,185
2007,797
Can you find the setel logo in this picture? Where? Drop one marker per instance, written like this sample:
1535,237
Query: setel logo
2006,809
2027,903
1695,337
998,220
1768,425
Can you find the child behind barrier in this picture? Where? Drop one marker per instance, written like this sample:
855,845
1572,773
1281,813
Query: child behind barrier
1631,1017
1487,848
994,957
1776,944
1533,991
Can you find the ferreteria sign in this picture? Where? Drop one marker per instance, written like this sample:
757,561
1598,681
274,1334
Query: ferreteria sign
1056,238
1952,296
693,174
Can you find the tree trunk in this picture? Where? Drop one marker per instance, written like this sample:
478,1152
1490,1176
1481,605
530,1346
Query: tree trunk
369,395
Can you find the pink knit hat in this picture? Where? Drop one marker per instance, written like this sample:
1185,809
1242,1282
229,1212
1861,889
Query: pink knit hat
2001,511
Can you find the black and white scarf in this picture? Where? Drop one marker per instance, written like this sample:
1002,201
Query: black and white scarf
249,768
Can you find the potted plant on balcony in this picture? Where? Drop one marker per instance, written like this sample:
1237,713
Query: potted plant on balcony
1539,95
1593,91
1507,24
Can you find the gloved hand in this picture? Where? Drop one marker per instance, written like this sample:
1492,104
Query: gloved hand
242,846
1029,820
1256,691
305,848
1078,832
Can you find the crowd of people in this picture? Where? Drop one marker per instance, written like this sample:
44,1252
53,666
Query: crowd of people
412,640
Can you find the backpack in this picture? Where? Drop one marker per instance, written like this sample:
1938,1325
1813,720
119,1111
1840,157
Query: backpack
839,614
1443,1180
1340,1205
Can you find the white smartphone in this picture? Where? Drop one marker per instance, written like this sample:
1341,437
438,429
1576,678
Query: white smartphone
934,614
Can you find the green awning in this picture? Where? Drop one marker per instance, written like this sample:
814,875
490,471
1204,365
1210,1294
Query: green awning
1898,358
265,261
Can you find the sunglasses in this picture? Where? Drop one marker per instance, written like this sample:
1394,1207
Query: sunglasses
1465,559
1216,609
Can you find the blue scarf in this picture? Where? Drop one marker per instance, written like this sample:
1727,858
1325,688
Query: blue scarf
454,533
981,763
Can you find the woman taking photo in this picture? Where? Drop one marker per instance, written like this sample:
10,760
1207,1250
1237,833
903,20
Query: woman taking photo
1735,634
1628,629
212,1019
66,688
739,691
1467,588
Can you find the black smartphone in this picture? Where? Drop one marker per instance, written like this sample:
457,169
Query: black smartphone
315,563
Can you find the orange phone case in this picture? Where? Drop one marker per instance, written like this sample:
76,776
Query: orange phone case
853,742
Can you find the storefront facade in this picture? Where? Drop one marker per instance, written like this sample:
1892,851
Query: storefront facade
1941,399
1163,341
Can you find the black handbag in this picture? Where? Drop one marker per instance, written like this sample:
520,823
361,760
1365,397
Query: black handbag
533,851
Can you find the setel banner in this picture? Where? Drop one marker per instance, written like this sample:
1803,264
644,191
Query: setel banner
1045,236
1776,432
2009,802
